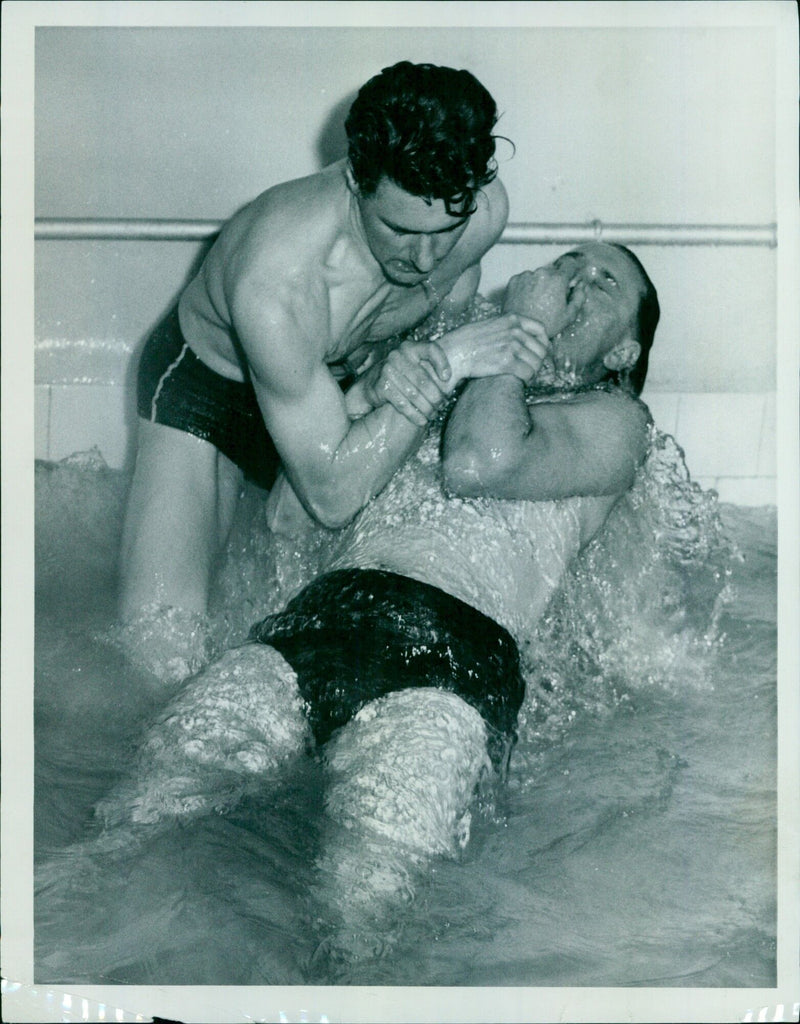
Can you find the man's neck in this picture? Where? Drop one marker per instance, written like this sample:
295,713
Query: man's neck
564,389
355,231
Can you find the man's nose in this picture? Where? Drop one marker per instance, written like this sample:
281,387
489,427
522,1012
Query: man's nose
586,272
424,253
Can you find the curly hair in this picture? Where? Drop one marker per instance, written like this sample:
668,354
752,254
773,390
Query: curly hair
426,128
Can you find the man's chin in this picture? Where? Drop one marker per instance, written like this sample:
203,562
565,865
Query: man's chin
549,378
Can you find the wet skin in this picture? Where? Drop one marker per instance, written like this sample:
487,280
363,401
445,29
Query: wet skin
307,275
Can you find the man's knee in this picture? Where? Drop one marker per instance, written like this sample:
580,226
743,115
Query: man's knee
237,722
242,713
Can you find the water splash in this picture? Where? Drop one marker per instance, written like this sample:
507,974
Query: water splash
641,607
169,643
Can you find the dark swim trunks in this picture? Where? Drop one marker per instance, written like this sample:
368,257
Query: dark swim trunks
179,390
356,634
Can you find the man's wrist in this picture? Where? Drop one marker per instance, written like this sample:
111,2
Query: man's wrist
457,373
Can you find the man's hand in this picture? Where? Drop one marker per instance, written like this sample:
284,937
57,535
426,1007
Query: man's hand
545,295
511,344
414,378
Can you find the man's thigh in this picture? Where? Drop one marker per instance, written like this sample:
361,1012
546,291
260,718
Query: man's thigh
406,767
180,507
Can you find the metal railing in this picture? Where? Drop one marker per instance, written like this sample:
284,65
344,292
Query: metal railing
520,233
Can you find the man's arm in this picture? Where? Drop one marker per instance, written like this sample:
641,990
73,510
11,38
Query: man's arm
485,228
498,446
335,463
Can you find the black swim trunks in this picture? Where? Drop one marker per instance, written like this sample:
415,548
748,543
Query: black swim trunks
179,390
356,634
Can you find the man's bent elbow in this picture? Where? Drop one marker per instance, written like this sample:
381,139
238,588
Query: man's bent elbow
333,508
333,520
476,472
331,515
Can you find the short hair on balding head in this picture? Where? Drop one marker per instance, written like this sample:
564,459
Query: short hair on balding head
647,317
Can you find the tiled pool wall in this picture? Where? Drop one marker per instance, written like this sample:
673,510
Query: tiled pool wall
88,336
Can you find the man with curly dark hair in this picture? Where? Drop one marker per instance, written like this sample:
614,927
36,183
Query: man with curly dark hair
427,129
300,289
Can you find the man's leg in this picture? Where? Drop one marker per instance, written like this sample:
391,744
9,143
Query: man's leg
402,775
234,725
180,510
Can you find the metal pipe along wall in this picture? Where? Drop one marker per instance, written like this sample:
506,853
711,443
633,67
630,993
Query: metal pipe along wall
146,230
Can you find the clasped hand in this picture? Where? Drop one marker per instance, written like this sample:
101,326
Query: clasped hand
548,295
416,376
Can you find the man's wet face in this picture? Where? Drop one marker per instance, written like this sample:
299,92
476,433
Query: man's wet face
408,235
604,289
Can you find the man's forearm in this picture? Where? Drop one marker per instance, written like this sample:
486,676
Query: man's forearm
372,450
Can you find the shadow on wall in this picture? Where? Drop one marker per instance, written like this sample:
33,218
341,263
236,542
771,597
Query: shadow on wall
332,140
331,145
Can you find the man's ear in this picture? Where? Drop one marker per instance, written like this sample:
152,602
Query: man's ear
352,184
623,355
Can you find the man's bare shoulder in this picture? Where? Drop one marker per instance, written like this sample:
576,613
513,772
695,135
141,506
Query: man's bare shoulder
489,220
485,226
597,418
491,216
288,227
497,201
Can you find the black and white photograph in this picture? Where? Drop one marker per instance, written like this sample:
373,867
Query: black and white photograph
400,512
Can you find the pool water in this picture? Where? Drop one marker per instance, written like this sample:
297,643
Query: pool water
632,844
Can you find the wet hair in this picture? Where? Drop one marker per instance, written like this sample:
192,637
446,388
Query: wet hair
647,317
426,128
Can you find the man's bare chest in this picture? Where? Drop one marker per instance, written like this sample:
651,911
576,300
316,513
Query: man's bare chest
388,311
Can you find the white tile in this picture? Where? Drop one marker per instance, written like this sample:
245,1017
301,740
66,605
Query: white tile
663,408
41,421
767,452
756,490
84,416
720,433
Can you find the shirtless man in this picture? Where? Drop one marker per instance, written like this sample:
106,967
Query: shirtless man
298,289
403,657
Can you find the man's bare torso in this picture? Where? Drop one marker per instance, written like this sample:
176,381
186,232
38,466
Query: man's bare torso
303,238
